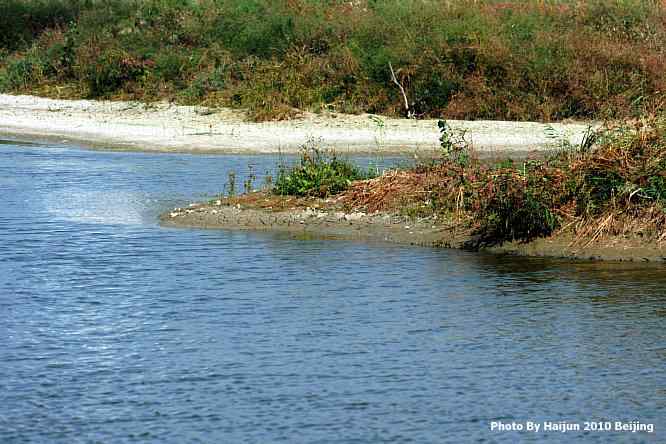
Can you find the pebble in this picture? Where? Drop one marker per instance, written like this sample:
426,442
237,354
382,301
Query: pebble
354,216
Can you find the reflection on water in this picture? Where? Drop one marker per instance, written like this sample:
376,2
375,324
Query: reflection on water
116,330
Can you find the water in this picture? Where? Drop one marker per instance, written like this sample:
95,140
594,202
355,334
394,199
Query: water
113,329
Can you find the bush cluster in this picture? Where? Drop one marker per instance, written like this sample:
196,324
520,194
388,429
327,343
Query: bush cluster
318,174
516,60
623,173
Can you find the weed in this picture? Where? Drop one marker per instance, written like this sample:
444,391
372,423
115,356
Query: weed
268,181
248,184
380,124
231,184
19,73
109,71
453,143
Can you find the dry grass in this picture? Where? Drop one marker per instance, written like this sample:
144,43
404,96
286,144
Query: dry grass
268,200
616,188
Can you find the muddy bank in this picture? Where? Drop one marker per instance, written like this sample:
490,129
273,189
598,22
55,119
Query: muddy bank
317,223
170,128
429,232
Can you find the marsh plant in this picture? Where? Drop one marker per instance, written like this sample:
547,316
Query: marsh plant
248,183
380,125
318,173
268,181
561,142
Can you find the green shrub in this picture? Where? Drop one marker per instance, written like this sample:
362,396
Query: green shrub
20,73
317,174
4,82
109,71
613,182
656,187
515,209
169,65
23,20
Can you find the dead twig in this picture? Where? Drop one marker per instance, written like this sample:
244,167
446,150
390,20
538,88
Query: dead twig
410,113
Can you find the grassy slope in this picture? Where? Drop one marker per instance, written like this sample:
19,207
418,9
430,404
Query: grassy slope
516,60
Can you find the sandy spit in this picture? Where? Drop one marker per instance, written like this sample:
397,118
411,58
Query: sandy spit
426,232
171,128
316,223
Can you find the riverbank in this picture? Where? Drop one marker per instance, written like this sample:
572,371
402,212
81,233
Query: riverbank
327,218
166,127
602,199
468,60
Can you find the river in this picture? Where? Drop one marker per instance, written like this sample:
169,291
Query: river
114,329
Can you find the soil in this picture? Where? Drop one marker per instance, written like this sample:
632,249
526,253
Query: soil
325,219
317,222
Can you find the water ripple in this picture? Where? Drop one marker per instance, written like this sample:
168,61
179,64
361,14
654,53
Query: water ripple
116,330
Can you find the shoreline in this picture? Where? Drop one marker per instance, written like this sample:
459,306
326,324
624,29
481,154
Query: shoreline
164,127
326,223
168,128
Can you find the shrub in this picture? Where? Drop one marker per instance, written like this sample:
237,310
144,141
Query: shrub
317,174
462,59
514,208
23,20
109,71
21,73
616,176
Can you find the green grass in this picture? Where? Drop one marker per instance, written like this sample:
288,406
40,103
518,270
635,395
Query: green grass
516,60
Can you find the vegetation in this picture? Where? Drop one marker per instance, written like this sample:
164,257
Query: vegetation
516,60
318,174
615,183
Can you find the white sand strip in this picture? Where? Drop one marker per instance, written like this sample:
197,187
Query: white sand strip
171,128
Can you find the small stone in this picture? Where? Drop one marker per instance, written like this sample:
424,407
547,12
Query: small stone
354,216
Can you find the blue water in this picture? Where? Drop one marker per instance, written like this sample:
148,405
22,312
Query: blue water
113,329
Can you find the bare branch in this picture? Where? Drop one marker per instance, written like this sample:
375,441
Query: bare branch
410,113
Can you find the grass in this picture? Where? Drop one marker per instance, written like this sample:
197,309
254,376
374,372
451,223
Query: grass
460,59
